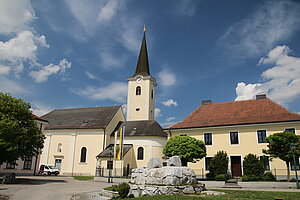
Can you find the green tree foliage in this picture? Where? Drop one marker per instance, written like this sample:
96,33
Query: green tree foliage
279,147
19,134
252,166
187,148
219,164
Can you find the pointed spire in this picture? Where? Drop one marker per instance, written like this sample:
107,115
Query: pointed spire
142,67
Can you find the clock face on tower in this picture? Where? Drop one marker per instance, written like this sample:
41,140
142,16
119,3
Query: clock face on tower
139,79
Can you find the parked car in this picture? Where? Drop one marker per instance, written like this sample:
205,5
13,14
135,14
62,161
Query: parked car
46,169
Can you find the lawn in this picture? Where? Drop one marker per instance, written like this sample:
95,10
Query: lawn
231,195
83,178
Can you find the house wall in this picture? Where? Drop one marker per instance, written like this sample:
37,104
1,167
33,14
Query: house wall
119,116
248,142
152,145
72,141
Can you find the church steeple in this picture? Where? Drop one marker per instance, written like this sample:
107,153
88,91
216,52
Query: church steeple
142,67
141,89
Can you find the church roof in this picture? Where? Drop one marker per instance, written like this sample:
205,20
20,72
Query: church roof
237,113
106,153
80,118
142,67
142,128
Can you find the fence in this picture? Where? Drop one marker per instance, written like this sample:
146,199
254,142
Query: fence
115,172
280,174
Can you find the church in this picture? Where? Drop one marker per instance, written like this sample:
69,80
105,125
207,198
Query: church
83,141
86,141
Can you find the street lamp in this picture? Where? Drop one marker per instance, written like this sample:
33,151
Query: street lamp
110,164
293,149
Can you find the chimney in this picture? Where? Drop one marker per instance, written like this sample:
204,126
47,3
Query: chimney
261,96
206,102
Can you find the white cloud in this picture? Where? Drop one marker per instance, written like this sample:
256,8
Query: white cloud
282,81
9,86
4,70
111,61
116,91
274,21
187,7
107,12
170,119
166,78
43,74
249,91
90,75
22,47
15,15
40,109
157,113
124,108
170,102
167,124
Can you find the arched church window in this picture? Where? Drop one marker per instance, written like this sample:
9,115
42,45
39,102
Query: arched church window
152,94
140,154
59,146
83,154
138,90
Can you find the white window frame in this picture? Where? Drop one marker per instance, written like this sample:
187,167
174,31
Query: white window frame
239,142
257,136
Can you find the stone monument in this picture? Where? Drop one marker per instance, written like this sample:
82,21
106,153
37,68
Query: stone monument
171,179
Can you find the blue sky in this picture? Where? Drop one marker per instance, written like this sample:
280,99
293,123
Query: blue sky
74,53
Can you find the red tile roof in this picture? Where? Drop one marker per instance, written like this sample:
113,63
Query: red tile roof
39,118
237,113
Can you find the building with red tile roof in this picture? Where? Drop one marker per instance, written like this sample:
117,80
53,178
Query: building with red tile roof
239,128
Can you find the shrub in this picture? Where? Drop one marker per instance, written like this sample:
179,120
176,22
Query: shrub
123,190
252,166
245,178
221,177
219,164
268,176
210,176
254,178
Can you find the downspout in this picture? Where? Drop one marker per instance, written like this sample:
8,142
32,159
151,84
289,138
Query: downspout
104,130
170,132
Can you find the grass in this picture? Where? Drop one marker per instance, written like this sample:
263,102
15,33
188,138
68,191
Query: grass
83,178
230,195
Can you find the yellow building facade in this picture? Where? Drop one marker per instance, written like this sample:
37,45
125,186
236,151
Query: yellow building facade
238,128
74,137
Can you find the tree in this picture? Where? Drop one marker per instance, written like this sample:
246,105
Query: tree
279,147
219,164
187,148
19,135
252,166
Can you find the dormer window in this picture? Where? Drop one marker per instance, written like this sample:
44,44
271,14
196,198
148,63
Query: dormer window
138,90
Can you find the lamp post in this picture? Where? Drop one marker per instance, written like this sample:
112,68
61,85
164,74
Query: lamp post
293,149
110,166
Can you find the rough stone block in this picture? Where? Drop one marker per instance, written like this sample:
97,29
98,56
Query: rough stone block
154,163
174,161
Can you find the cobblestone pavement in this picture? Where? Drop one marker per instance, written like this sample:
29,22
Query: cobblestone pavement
48,188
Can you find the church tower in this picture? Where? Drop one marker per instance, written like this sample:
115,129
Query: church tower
141,88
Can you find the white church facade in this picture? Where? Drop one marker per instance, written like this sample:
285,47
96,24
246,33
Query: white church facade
80,141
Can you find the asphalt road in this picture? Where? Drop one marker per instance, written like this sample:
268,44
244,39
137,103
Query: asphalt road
48,188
